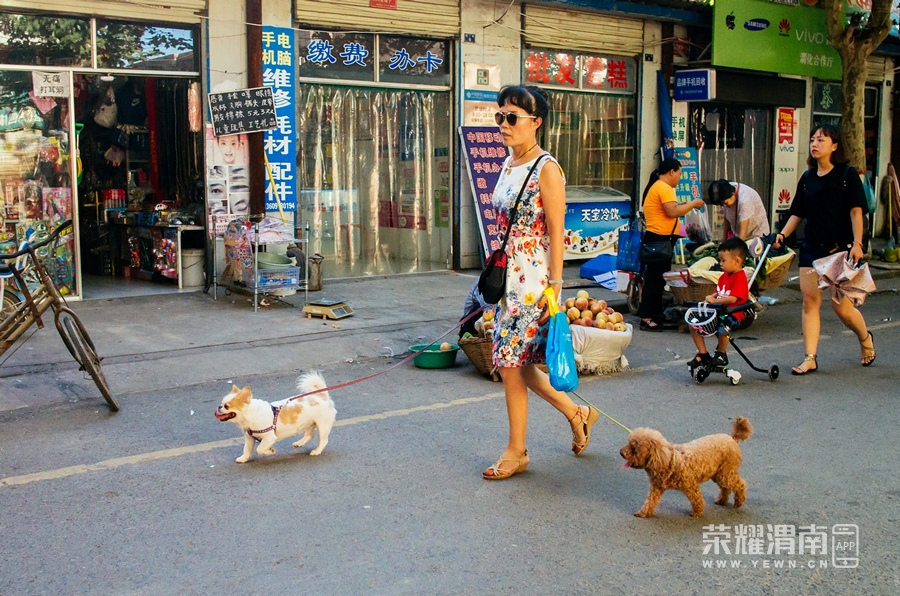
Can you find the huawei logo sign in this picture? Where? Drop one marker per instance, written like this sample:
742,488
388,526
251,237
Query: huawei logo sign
784,197
784,27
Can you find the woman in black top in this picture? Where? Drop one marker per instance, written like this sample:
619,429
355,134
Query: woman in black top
830,197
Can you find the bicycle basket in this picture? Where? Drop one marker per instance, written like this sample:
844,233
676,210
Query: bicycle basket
703,319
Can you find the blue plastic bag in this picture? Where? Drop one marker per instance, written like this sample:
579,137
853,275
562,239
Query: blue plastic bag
629,247
869,189
560,355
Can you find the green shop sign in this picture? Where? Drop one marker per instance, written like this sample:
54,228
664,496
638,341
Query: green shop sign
773,37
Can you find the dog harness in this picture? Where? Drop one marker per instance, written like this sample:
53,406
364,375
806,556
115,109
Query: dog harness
253,433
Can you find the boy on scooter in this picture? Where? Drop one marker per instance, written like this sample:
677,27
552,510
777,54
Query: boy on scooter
731,290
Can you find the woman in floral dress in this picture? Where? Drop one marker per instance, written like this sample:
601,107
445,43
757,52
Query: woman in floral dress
535,251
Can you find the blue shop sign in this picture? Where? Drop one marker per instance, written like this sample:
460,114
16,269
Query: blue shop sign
278,70
695,85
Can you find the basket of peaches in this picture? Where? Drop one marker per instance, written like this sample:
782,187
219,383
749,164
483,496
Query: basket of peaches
600,335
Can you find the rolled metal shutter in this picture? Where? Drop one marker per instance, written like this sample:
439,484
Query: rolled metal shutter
875,69
422,18
173,11
552,27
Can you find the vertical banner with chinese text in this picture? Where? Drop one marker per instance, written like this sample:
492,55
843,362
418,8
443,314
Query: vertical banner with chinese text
688,187
784,179
485,153
280,143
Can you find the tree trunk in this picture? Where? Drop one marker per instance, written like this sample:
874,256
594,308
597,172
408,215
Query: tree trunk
853,69
855,43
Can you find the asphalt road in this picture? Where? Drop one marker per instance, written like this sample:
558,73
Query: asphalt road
150,501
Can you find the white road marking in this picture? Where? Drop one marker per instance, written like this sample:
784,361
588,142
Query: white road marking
111,464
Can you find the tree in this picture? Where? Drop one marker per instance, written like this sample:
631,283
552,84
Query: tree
855,40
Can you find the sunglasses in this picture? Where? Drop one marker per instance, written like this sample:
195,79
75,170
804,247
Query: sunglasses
499,117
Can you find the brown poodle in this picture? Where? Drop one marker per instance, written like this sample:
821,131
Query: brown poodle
685,467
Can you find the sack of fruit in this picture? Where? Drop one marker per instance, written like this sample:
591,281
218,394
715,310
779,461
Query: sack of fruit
599,335
600,351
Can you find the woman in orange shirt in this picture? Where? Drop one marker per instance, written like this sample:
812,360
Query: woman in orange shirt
661,213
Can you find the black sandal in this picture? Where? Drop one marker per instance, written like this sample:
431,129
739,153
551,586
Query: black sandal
652,325
701,359
868,354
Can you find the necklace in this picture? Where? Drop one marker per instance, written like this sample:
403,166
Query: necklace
516,161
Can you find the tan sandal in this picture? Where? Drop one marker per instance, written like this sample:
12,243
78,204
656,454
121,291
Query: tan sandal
495,472
868,354
581,428
803,369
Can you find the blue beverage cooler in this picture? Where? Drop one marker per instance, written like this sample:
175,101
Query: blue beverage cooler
594,216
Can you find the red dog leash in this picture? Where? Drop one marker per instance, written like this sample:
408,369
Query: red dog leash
405,360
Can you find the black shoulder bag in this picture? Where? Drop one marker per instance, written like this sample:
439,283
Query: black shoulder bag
658,252
492,283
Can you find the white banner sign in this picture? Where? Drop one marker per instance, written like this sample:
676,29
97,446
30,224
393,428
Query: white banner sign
50,84
784,180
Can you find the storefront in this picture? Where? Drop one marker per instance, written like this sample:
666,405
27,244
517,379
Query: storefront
94,127
591,74
734,132
375,135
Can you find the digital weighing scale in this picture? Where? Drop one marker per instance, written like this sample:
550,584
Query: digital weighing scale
327,309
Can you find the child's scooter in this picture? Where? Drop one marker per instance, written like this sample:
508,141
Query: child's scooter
709,319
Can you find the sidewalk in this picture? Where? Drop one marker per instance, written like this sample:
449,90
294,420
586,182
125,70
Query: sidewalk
156,342
152,343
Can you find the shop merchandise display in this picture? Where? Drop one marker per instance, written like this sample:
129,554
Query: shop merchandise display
141,192
35,186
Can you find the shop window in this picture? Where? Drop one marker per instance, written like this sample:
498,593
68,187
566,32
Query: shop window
592,136
374,178
44,41
413,61
735,143
336,55
144,47
36,40
376,58
718,128
591,127
35,179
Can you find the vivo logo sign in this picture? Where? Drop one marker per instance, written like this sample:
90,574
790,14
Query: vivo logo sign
756,24
788,148
816,37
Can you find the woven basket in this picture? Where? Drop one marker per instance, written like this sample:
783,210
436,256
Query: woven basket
775,277
696,291
478,349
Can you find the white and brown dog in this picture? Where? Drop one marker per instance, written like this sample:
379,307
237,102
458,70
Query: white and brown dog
266,422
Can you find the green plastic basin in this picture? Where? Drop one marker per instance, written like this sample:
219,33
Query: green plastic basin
434,357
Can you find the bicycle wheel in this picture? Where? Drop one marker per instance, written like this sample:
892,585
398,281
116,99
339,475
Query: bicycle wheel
8,306
82,349
633,293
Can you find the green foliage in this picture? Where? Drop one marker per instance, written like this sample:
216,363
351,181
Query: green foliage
51,41
44,40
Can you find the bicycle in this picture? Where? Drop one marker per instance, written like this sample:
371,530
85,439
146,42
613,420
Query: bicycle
38,294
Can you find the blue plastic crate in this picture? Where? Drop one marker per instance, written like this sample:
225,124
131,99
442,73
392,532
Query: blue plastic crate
271,279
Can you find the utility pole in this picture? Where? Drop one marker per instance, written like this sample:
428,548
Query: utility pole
256,167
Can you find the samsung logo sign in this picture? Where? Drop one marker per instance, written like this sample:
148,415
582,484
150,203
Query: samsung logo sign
756,24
